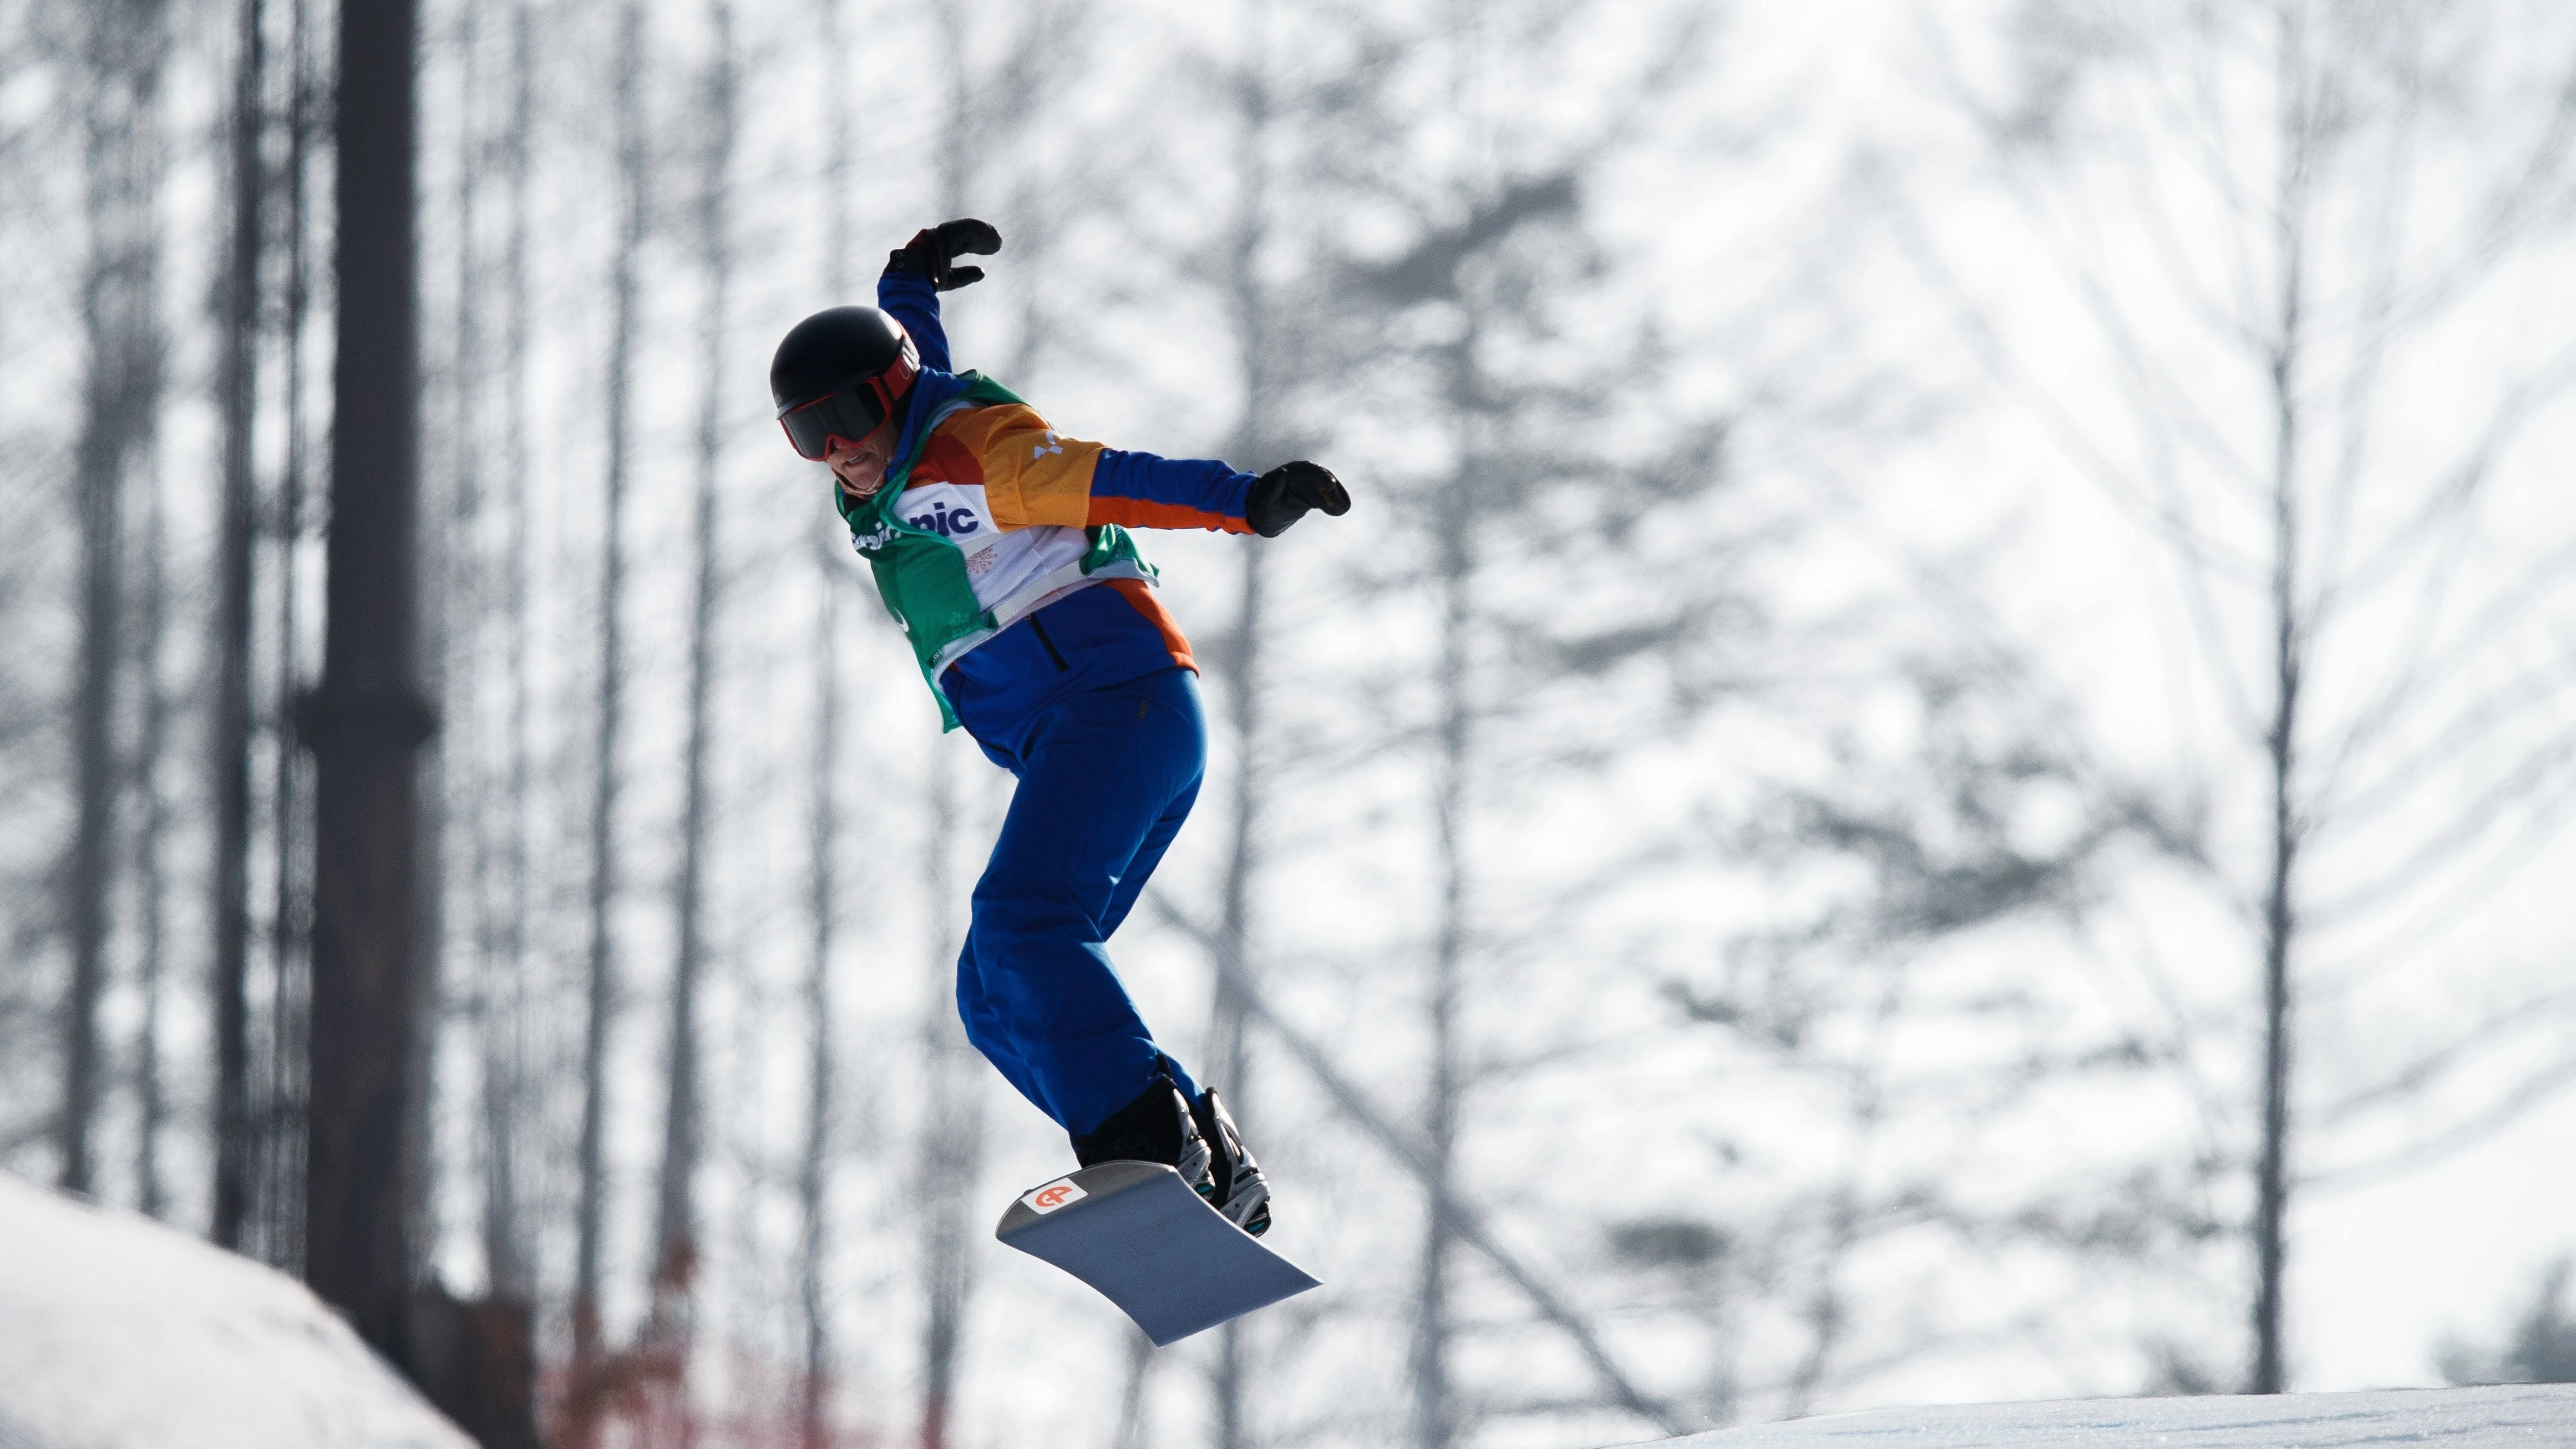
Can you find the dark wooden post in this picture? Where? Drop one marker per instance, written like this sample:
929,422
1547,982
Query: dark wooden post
367,720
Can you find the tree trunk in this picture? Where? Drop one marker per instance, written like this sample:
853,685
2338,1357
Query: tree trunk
367,721
1435,1411
676,1233
505,1083
151,839
450,782
1135,1411
237,389
2289,645
813,1176
612,665
952,1133
466,612
1227,1061
125,42
277,1127
1228,1058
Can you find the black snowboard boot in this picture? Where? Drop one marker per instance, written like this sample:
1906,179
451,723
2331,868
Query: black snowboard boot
1236,1187
1157,1127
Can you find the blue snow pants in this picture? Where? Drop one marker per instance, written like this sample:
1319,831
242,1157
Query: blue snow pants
1106,778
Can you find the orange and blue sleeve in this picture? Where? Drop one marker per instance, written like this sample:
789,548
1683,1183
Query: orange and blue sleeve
1033,475
1139,490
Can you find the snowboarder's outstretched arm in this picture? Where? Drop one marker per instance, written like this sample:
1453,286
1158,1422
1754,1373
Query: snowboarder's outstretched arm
1139,490
1034,476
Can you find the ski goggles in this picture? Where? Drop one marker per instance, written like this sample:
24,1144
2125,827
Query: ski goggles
850,414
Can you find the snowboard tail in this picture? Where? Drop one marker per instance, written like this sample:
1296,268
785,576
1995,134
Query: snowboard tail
1145,1241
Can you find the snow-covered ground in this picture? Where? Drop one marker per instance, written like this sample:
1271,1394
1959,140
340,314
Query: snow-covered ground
2522,1416
119,1333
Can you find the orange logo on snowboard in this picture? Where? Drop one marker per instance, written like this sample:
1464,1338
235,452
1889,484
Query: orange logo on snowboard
1054,1195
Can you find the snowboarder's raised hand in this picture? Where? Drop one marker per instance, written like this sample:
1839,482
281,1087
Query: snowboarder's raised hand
1284,494
933,249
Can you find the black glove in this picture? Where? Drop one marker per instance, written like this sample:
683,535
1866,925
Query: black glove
1281,496
929,254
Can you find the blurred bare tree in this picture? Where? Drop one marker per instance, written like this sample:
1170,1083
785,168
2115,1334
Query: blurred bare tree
2539,1348
150,847
34,748
279,1093
237,387
122,47
676,1234
824,823
509,1098
592,1373
1513,544
1878,992
2284,226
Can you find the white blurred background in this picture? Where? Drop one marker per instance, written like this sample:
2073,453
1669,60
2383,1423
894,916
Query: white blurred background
1907,561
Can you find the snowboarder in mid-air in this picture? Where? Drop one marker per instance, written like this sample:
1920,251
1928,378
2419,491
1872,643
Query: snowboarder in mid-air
1002,548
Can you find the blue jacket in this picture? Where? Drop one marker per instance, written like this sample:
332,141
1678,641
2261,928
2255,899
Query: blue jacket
1096,636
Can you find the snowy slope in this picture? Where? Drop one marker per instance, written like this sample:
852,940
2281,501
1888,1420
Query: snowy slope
2522,1416
119,1333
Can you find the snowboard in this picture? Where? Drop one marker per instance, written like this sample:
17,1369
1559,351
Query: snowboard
1141,1237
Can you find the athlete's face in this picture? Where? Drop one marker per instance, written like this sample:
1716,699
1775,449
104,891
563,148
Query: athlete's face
861,466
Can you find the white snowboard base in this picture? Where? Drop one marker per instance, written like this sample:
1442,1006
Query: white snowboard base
1138,1234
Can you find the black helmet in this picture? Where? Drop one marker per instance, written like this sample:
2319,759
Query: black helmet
841,373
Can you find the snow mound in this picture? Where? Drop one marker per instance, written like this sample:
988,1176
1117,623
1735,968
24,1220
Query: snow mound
119,1333
2516,1415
